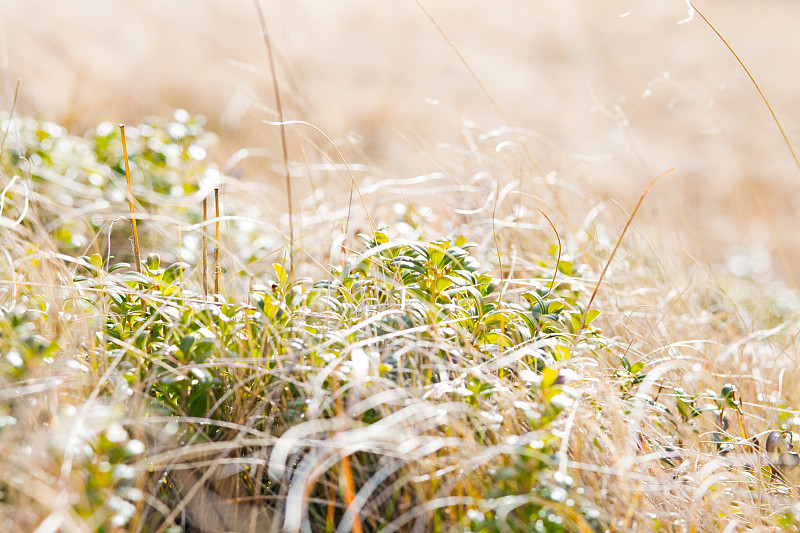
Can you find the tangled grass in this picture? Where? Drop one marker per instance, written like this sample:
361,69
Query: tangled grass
392,381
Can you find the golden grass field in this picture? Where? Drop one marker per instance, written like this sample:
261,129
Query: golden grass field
469,116
613,100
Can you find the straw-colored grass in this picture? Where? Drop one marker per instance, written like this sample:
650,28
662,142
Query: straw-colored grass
483,347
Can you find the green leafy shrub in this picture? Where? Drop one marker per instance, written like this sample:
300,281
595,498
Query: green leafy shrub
76,182
422,324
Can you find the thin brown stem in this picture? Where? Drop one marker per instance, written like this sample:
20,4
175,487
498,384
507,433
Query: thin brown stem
284,147
482,86
752,79
136,255
205,252
558,259
614,251
496,241
346,470
216,249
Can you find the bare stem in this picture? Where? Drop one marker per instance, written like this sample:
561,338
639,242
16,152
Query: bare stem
758,87
205,252
279,106
614,251
216,237
10,117
558,259
136,255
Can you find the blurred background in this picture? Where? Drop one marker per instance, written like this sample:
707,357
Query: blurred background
609,95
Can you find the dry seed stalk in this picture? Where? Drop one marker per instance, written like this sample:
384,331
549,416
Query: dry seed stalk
130,200
205,253
10,117
216,236
614,251
753,80
284,147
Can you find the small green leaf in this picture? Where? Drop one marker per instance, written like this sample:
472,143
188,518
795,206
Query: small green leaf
185,345
591,315
203,349
496,318
636,367
135,277
281,273
381,238
173,272
561,353
202,374
97,261
729,392
436,255
443,284
152,262
118,266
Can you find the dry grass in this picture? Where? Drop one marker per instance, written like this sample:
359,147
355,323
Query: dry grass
595,113
576,74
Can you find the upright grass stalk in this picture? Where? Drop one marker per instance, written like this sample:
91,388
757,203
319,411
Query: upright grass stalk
130,200
558,258
216,237
180,255
284,147
614,251
205,251
10,117
482,86
781,252
753,80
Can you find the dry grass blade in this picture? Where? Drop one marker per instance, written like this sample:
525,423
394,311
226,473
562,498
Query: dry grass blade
558,257
482,86
204,273
10,117
284,146
136,254
755,83
353,185
216,237
614,251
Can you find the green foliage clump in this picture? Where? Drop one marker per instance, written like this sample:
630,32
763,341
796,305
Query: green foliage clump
406,389
422,325
75,181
